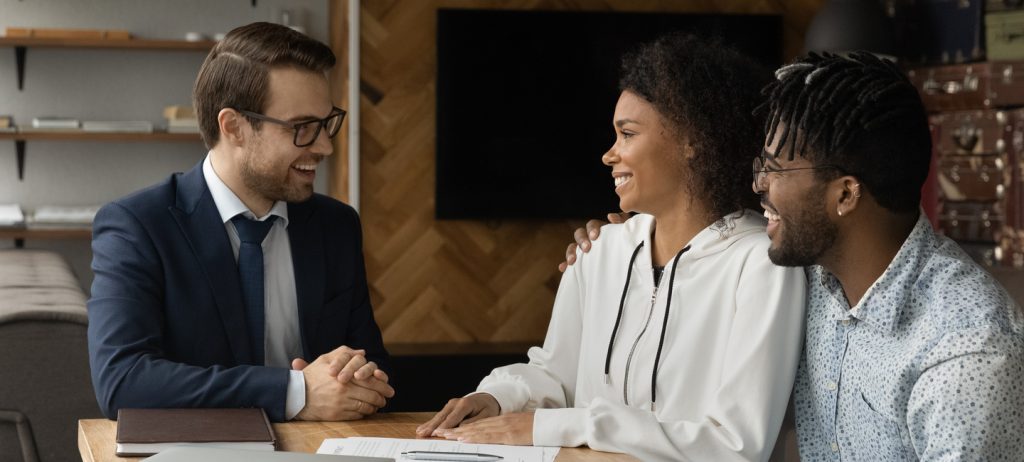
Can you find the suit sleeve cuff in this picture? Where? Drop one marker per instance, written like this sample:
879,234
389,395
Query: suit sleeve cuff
560,427
296,398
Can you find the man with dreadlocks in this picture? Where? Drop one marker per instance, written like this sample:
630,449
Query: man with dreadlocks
913,352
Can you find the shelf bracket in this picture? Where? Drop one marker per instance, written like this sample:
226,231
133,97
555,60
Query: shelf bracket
19,149
19,59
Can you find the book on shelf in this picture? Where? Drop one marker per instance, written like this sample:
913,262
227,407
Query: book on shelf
55,123
179,112
181,119
47,130
148,431
183,126
183,130
55,216
117,126
11,215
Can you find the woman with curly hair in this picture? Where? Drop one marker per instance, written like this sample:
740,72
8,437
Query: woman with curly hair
675,337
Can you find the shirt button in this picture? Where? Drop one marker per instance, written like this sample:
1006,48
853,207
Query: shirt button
846,322
835,447
831,386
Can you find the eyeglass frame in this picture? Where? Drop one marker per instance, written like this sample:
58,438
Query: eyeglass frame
321,123
762,172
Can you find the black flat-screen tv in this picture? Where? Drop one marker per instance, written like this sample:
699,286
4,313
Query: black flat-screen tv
525,102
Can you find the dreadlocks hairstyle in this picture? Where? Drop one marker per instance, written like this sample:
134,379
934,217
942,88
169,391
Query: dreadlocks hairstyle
858,113
706,92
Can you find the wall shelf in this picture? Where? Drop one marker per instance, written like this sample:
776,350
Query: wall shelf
19,234
22,44
130,44
78,135
20,139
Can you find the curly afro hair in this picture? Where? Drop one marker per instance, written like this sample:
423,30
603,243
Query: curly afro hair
706,92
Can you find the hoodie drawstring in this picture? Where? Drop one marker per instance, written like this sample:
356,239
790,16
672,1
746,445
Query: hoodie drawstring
622,302
664,323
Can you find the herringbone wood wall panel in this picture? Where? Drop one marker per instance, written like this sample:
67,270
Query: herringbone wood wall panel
457,281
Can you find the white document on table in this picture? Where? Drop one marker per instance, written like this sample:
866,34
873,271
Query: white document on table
394,447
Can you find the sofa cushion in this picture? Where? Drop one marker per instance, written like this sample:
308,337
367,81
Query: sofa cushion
43,353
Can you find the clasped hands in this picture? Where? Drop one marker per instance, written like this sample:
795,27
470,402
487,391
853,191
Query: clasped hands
342,385
476,419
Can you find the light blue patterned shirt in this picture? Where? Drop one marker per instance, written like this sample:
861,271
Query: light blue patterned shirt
928,366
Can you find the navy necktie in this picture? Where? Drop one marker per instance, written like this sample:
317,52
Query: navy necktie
250,271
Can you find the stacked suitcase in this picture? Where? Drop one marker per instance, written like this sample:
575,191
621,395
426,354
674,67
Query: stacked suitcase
977,121
975,194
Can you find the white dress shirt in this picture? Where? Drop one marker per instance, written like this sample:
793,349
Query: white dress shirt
282,340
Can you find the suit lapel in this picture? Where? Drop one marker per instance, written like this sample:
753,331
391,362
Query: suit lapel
200,222
308,261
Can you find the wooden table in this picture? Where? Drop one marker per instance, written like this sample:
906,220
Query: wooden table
96,436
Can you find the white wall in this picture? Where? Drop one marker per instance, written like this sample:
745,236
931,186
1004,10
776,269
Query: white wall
113,85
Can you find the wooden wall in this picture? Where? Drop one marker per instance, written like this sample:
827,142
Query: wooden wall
457,281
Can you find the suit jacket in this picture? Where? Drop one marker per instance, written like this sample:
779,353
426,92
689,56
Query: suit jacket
166,318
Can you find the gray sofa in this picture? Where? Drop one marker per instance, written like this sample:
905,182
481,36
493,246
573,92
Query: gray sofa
44,363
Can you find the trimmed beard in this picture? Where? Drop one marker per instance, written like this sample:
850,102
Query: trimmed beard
264,182
806,237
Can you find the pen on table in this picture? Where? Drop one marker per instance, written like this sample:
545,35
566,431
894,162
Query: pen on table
454,456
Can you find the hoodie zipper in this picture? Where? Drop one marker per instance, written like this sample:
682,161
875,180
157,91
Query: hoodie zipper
650,314
629,359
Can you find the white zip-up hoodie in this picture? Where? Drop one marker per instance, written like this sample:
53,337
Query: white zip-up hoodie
731,344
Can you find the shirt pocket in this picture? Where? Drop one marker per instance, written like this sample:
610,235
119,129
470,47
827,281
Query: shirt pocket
875,436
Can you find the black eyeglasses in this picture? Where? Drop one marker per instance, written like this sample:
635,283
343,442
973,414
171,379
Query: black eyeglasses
306,132
761,172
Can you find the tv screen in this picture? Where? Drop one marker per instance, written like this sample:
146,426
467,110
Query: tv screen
525,102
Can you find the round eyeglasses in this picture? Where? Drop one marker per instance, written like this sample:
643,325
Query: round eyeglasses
761,172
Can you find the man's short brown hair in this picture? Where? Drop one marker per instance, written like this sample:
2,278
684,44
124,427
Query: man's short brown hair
235,72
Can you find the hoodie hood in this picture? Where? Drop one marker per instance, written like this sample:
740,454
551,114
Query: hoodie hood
714,239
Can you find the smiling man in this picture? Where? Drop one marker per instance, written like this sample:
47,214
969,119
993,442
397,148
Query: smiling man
218,286
913,352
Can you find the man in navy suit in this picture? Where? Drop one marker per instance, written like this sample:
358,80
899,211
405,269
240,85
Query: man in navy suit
216,287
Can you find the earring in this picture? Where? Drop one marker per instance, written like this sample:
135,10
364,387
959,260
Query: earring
840,212
856,193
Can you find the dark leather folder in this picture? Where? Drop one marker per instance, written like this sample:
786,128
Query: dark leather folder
148,431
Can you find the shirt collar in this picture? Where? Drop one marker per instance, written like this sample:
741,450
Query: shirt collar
229,205
831,285
883,302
